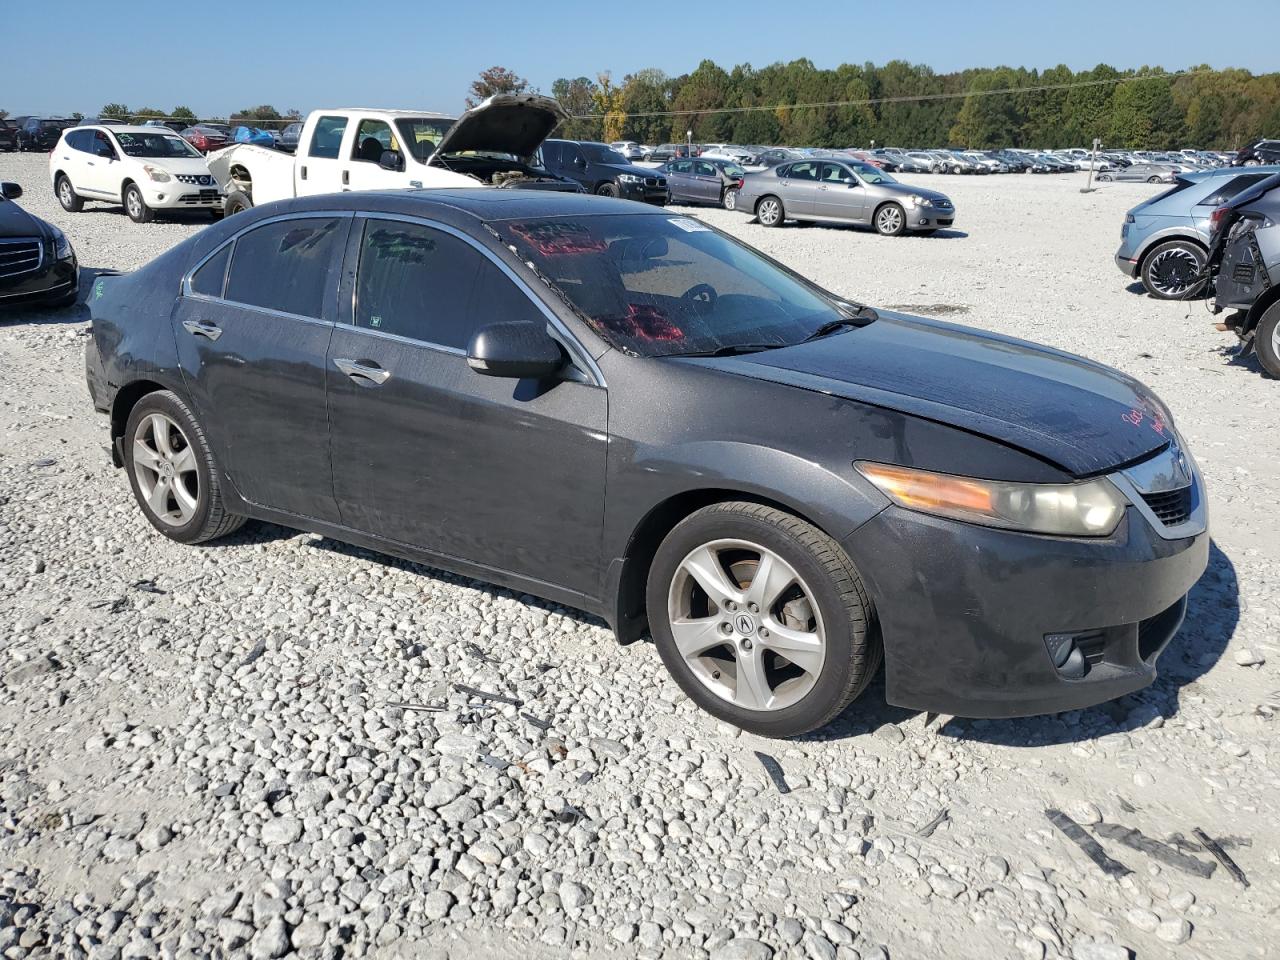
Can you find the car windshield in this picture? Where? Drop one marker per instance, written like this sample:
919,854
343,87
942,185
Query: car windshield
871,174
663,286
598,153
54,124
423,134
155,145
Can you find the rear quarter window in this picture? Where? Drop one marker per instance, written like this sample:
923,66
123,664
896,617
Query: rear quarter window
211,277
1233,186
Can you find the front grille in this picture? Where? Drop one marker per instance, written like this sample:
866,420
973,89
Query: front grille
20,256
942,204
1243,273
203,196
1171,507
197,179
655,181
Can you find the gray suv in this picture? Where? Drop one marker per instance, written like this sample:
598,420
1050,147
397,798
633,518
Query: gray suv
1164,239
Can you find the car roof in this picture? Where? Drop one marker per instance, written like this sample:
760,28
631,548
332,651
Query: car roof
389,113
126,128
463,207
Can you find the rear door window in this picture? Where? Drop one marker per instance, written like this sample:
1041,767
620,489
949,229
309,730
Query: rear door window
806,170
326,139
286,266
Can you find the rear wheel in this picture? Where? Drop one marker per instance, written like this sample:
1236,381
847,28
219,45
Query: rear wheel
236,202
135,206
67,196
730,199
1266,340
1171,271
174,476
890,220
769,212
1153,179
761,618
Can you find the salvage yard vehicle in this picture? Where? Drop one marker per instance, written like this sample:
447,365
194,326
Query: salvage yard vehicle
1257,154
842,191
1163,241
562,395
602,170
37,264
491,144
8,134
35,133
1245,263
1142,172
704,181
145,168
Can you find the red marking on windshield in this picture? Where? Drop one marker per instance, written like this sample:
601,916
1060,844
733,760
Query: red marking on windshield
646,322
559,239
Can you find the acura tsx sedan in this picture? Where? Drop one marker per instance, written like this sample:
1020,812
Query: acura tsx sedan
631,413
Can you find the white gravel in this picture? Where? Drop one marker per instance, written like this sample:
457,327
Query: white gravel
222,751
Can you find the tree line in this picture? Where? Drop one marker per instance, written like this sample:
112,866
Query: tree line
903,104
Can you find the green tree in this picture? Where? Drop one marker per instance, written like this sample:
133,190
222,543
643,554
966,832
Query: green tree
989,117
183,113
493,81
577,96
114,111
645,93
608,100
143,114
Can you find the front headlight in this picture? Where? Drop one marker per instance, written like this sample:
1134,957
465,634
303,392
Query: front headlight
1089,509
921,201
158,174
61,245
630,178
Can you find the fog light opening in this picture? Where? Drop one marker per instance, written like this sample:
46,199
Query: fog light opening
1067,657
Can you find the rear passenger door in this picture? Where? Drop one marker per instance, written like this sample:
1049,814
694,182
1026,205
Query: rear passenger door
501,473
320,169
253,326
800,188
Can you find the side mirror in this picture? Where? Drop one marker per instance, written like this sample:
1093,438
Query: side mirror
392,160
10,190
516,350
579,162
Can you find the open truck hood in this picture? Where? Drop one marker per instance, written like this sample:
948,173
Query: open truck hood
1083,416
514,123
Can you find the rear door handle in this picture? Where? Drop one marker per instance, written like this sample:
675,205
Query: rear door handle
363,371
202,328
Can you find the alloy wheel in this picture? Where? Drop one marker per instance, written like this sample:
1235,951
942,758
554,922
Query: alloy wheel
134,203
64,192
889,220
1174,271
769,212
164,464
731,199
747,625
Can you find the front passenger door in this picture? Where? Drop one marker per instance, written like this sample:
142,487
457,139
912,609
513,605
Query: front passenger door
502,473
840,196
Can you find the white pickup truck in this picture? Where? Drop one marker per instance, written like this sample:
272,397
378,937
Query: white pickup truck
492,144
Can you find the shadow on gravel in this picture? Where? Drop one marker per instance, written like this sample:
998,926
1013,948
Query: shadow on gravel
1243,361
33,314
197,217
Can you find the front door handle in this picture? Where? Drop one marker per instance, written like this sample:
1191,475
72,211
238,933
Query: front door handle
362,370
202,328
346,177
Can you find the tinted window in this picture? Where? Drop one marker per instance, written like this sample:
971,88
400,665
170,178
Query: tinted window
285,265
209,278
326,140
682,166
1231,188
80,140
551,153
835,173
803,171
704,169
498,300
416,282
101,140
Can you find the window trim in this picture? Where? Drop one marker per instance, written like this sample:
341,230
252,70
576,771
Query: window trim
578,353
187,293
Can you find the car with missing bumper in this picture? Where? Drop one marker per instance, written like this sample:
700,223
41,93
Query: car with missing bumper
632,413
846,191
1244,261
37,264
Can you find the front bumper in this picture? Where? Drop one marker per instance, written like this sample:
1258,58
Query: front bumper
50,281
175,195
653,190
929,218
965,610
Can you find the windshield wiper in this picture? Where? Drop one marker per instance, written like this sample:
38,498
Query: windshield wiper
831,326
731,350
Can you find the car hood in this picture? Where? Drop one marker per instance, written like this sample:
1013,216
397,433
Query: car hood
1080,415
514,123
907,190
16,222
184,165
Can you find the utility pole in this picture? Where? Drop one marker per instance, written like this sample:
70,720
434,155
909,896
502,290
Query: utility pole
1093,161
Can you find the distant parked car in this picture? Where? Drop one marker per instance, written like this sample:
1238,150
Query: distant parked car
669,151
602,170
40,134
1245,259
1142,172
1264,151
704,180
728,151
177,126
629,149
255,135
100,122
204,138
844,191
1164,240
8,135
37,264
777,155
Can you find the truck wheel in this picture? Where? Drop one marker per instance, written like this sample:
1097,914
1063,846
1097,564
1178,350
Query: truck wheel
237,200
135,206
1266,340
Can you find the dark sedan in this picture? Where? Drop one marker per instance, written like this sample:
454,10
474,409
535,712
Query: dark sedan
8,134
704,181
632,413
37,264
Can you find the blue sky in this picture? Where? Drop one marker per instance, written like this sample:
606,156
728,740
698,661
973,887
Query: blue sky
80,54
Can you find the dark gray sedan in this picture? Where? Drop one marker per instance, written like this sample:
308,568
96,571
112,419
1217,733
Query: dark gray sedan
842,191
704,181
631,413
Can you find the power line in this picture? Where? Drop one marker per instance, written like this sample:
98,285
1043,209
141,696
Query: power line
914,98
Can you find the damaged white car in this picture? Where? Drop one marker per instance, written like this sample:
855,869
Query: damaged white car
492,144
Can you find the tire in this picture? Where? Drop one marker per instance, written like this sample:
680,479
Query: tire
237,201
730,199
1266,340
1168,265
770,212
1252,163
1153,179
829,619
607,190
71,201
890,220
192,517
135,206
1103,178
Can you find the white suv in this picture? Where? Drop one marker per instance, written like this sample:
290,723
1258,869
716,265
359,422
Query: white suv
145,168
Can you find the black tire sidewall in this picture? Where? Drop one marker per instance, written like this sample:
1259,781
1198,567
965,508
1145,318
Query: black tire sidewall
782,211
237,201
902,227
1150,259
607,190
818,705
166,402
144,215
1264,338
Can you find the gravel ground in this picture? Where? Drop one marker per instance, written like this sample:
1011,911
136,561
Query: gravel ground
224,751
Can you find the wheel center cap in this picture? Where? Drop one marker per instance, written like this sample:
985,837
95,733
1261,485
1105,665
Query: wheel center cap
166,470
745,624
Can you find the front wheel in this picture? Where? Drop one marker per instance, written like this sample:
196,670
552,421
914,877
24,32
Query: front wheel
891,220
761,618
135,206
237,201
607,190
769,212
730,199
174,476
1153,179
1171,271
71,201
1266,340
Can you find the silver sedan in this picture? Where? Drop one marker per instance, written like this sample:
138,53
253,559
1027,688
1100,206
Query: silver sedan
843,191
